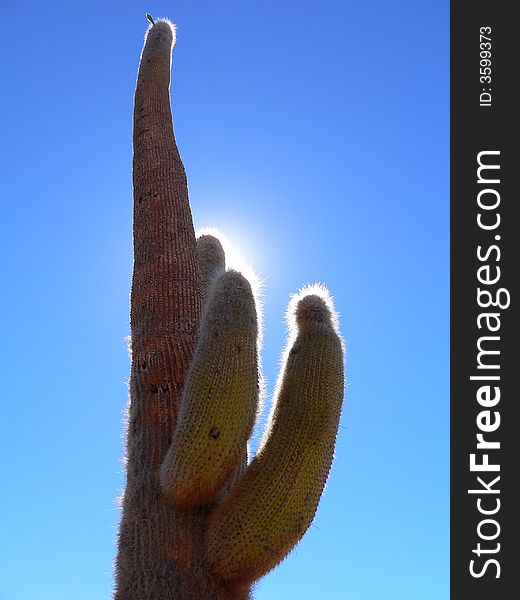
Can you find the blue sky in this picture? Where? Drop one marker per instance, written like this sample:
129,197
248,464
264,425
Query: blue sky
315,135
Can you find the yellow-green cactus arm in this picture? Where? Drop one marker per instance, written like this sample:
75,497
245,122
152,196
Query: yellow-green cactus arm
220,398
272,505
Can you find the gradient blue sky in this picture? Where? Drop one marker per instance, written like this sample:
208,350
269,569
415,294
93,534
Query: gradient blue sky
315,135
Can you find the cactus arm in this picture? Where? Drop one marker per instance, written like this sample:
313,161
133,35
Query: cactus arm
211,258
212,261
273,504
220,398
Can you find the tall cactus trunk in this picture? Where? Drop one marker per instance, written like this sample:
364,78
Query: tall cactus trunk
160,552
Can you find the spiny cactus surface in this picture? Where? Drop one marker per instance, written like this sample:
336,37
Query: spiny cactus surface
279,493
220,398
197,520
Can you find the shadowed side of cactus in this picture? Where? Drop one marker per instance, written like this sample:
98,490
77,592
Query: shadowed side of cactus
197,521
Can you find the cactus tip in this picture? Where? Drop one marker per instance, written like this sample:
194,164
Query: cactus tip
312,309
210,248
311,304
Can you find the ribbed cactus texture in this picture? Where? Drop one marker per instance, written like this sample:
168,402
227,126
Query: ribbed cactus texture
220,398
197,520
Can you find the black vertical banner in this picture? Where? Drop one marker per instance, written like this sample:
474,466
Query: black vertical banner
485,259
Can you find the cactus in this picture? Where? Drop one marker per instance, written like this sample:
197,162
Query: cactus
197,520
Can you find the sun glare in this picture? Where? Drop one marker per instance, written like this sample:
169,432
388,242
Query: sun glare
236,259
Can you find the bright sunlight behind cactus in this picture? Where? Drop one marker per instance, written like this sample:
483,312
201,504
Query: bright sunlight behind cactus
198,521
